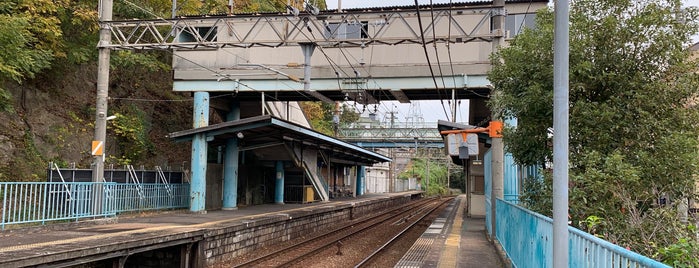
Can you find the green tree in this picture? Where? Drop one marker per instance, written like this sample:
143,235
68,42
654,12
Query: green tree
633,120
435,183
320,115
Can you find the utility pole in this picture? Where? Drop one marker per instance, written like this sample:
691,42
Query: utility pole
453,103
427,175
336,118
105,15
391,171
560,133
497,146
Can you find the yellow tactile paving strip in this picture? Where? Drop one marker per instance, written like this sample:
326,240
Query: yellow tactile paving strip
451,247
180,228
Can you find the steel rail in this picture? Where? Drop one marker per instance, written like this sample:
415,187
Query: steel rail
275,253
396,237
320,248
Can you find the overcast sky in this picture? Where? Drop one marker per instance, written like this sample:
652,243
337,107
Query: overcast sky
431,110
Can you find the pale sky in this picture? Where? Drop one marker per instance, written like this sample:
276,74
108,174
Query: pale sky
431,110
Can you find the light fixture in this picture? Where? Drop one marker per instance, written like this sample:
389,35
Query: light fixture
240,135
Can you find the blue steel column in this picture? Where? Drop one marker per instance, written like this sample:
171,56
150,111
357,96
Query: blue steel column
279,184
230,165
197,190
511,174
360,180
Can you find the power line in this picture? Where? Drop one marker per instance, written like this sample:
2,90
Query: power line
436,53
525,17
422,36
220,74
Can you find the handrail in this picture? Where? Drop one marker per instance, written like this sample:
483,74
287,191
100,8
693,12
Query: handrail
134,178
161,175
519,226
41,202
64,181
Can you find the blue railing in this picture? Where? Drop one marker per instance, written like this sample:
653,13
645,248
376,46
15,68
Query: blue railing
39,202
526,237
124,197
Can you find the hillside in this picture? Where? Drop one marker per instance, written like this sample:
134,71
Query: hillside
52,119
48,62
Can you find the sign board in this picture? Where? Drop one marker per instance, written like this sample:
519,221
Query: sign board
455,141
97,147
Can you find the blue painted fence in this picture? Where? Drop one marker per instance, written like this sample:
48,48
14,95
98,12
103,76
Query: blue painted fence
39,202
124,197
526,237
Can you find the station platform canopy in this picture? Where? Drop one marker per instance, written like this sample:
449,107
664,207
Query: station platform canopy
266,131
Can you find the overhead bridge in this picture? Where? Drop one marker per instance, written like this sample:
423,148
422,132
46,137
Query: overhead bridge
364,55
396,135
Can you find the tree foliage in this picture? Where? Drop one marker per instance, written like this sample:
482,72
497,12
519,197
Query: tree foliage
633,114
434,181
320,115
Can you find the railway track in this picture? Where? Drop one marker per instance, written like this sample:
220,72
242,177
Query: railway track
331,244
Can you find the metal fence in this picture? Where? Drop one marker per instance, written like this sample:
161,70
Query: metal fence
124,197
39,202
526,237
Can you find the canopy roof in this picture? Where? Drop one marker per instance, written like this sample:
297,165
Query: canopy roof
267,131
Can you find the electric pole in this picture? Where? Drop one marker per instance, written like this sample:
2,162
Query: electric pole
560,133
98,144
497,147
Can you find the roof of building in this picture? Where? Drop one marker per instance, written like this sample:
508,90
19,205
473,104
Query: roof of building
389,8
439,5
264,131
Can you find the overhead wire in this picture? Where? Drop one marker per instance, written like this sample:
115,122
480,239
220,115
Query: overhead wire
333,64
424,47
451,62
336,68
436,53
526,13
200,65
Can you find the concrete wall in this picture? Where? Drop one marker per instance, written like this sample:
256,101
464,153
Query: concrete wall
377,180
477,205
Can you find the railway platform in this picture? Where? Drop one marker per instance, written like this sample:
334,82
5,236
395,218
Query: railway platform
453,240
190,240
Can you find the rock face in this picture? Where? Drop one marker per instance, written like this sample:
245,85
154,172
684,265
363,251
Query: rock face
52,119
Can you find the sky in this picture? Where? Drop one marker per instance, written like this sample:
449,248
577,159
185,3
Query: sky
431,110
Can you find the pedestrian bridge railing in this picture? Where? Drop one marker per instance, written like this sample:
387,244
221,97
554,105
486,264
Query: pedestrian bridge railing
41,202
527,238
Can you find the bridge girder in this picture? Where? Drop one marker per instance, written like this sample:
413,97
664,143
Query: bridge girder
389,27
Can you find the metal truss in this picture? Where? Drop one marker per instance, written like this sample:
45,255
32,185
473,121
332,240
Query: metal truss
390,27
387,133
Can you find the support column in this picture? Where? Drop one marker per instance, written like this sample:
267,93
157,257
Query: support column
230,165
197,189
307,49
360,180
279,183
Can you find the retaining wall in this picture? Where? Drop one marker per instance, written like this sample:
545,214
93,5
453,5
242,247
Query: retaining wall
224,243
